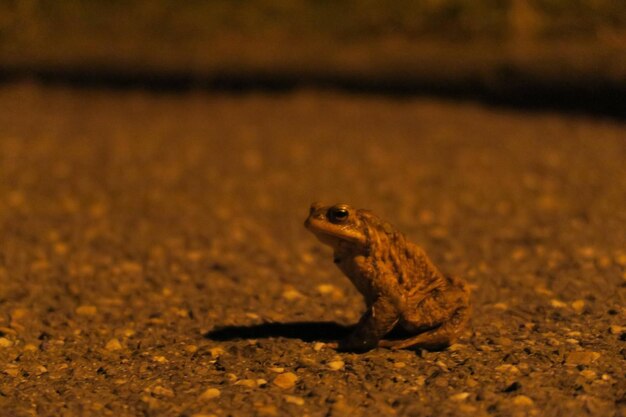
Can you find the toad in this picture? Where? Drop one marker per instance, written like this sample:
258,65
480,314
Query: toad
401,286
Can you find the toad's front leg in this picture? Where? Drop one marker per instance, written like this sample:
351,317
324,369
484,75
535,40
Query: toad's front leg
377,321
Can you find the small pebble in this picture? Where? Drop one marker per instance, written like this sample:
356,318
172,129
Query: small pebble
507,368
318,346
286,380
615,329
163,392
620,259
250,383
336,365
216,351
461,396
578,305
326,288
588,374
292,399
468,409
292,294
19,313
441,382
582,358
86,311
113,345
267,410
4,342
541,289
210,393
523,400
277,369
12,370
557,303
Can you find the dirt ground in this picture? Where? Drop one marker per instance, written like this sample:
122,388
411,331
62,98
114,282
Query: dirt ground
153,259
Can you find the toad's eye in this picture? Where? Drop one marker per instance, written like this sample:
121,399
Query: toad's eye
338,214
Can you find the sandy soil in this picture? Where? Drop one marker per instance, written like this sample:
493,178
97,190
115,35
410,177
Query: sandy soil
136,226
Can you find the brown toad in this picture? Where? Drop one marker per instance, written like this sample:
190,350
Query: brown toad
400,284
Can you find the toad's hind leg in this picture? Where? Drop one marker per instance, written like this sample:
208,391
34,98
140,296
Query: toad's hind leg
437,338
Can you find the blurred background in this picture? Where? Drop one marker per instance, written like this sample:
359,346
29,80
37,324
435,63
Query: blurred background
539,52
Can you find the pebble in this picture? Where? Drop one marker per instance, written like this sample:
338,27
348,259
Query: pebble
336,365
86,310
4,342
40,370
277,369
329,289
620,259
441,382
210,393
615,329
508,368
292,399
461,396
286,380
113,344
216,351
163,392
582,357
267,410
589,374
19,313
8,330
578,306
468,409
250,383
318,346
292,294
12,370
523,400
557,303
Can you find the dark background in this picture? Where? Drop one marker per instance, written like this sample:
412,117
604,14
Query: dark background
538,52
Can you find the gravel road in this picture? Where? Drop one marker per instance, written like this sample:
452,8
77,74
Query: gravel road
153,260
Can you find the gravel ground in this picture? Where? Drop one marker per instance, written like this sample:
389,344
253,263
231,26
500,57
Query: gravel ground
153,259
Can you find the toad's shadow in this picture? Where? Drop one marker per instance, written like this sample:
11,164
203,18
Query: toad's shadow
307,331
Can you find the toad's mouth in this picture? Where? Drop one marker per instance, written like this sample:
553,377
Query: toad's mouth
333,235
